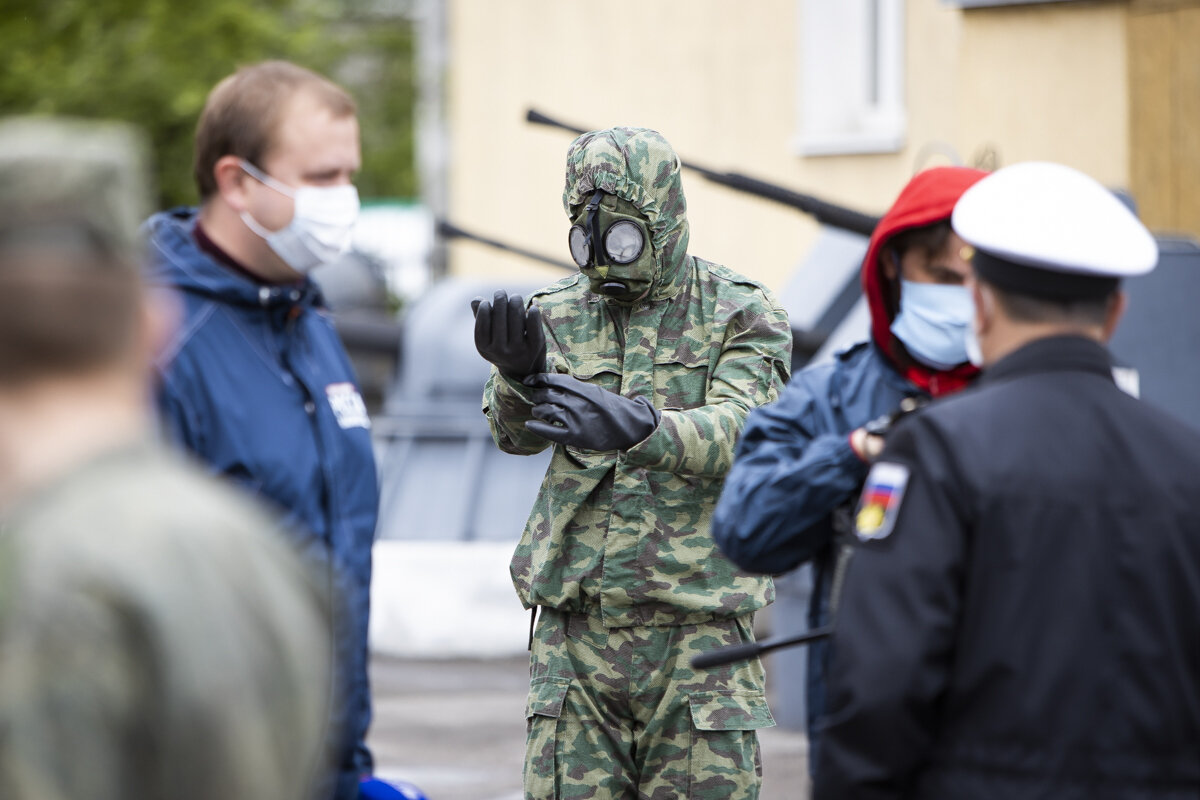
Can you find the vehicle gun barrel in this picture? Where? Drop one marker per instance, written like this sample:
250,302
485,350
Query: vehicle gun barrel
824,212
451,231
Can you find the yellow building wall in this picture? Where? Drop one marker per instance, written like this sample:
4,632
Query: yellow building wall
1049,82
715,78
720,80
1165,113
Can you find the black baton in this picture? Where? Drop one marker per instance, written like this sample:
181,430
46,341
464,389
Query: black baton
741,652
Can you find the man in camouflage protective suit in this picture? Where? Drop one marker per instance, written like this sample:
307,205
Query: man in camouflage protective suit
640,371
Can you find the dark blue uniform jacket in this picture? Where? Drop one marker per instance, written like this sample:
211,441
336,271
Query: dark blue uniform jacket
1030,626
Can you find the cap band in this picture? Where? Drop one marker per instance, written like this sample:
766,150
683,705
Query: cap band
1040,282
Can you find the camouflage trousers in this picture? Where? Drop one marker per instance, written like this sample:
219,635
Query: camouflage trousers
620,713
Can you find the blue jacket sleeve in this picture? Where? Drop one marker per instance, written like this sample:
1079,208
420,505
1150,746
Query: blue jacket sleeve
793,466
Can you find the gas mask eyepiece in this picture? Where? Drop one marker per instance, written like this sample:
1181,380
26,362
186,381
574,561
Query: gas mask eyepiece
610,245
623,241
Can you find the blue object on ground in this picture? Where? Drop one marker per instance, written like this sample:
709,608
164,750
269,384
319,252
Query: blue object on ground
375,789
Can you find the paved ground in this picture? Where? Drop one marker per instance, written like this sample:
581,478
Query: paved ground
456,729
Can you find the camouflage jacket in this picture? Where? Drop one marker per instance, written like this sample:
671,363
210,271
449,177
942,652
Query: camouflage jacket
625,535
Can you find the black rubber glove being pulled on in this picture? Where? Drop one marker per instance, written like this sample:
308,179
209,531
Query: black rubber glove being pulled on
509,336
571,412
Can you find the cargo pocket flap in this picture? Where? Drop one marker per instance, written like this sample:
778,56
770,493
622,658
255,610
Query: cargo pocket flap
602,368
730,711
546,697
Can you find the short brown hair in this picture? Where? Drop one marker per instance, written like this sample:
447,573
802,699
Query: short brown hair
63,311
242,114
1072,310
929,238
71,196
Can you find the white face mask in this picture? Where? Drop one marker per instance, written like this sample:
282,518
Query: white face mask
974,351
321,225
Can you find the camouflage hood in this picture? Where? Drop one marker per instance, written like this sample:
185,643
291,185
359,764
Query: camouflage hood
640,166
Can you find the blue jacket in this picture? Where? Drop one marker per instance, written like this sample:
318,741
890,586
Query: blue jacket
257,384
793,467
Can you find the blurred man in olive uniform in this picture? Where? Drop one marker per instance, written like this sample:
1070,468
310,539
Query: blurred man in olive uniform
157,638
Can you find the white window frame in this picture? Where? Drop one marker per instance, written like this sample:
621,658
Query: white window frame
851,77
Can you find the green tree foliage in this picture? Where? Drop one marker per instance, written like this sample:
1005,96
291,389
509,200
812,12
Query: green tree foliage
153,62
378,67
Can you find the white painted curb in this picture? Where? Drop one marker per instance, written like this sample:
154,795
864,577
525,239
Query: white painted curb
445,600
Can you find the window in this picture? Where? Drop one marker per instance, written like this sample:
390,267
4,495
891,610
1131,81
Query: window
851,77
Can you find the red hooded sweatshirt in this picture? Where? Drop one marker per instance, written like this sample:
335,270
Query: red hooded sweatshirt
928,198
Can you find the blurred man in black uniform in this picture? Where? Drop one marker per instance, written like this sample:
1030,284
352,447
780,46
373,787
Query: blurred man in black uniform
1022,616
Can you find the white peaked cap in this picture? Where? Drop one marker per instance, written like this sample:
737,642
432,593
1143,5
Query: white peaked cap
1054,218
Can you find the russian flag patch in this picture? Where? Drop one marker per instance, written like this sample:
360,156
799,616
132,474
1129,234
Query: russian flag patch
880,500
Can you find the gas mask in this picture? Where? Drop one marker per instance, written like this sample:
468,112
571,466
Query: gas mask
610,242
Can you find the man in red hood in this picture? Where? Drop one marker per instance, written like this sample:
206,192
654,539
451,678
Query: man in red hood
802,460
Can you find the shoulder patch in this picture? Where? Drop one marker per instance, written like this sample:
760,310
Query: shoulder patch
880,500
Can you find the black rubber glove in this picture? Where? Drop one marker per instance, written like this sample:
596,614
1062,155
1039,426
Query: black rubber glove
509,336
587,416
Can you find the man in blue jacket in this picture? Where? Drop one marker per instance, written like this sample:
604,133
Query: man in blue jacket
256,382
805,457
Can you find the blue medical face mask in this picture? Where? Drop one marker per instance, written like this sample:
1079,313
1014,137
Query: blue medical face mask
934,322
